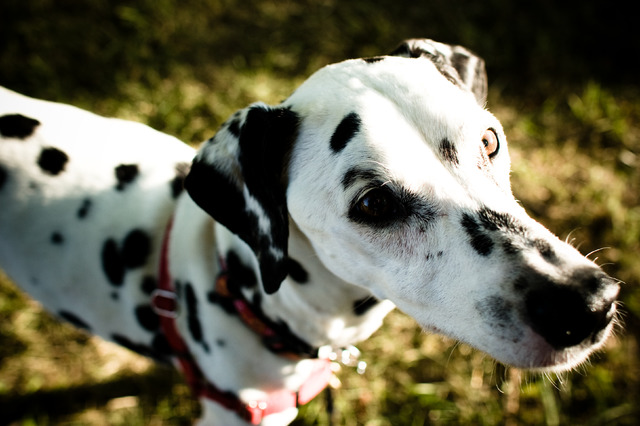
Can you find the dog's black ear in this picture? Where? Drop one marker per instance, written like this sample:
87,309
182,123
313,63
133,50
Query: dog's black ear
458,64
239,177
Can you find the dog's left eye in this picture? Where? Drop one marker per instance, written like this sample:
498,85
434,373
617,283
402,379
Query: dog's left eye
490,142
377,207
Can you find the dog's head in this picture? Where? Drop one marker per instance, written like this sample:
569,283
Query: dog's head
399,178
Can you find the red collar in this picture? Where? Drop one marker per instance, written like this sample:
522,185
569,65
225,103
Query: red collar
165,304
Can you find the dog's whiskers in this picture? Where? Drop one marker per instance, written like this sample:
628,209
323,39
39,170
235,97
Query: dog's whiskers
596,251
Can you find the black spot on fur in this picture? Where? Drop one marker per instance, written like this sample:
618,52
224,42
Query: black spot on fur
161,346
494,221
297,272
148,285
545,250
52,160
112,262
285,340
17,126
133,254
221,343
480,241
147,318
346,130
74,319
3,177
195,328
448,152
239,275
361,307
140,348
57,238
373,59
520,284
496,308
355,173
177,184
136,249
509,248
125,175
225,303
83,211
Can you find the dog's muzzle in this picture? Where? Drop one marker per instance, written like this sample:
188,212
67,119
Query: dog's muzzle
574,311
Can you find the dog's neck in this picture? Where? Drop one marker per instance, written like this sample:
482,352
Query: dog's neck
314,304
323,310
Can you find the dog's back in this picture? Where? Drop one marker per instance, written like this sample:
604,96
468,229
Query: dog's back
69,178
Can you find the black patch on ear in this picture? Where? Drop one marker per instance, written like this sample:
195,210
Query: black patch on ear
480,241
17,126
374,59
346,130
74,319
460,62
136,249
458,65
406,51
448,152
177,184
147,318
234,127
125,174
3,177
52,160
83,211
361,307
297,272
265,141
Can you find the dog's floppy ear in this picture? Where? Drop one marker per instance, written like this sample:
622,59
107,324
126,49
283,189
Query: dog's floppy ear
458,64
239,178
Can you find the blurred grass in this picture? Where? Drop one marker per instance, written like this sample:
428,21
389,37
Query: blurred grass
561,83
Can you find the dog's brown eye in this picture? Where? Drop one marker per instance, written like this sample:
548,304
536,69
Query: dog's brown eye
490,142
378,206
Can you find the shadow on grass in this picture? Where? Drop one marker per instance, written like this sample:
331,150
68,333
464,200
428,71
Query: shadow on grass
151,388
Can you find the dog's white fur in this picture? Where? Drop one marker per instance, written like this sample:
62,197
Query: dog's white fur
427,268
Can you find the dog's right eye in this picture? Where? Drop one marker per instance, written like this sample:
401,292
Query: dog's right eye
377,207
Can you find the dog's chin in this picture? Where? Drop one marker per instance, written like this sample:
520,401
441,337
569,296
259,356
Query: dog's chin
533,353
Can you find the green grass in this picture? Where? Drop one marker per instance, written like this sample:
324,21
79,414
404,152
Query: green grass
571,110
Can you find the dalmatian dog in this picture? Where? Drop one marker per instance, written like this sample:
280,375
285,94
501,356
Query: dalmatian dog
379,182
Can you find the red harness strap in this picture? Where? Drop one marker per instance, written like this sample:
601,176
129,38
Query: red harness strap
164,302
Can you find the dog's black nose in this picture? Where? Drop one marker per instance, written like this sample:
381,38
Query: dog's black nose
570,313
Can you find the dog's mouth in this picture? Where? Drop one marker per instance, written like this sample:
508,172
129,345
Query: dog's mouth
549,325
531,351
572,317
539,355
